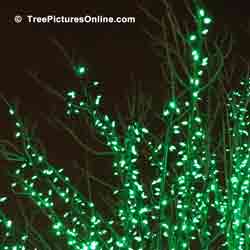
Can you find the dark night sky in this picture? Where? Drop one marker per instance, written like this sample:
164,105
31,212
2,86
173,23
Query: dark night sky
111,51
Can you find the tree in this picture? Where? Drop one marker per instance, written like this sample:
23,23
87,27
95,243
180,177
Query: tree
197,196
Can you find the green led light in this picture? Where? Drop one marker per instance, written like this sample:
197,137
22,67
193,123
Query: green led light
80,70
205,31
207,20
202,12
192,37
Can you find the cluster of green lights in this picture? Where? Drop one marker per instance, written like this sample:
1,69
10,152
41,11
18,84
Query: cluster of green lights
175,210
80,224
237,206
11,242
196,43
124,165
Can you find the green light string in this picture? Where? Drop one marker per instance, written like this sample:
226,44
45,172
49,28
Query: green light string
78,104
132,213
79,223
102,124
236,216
193,152
189,152
8,239
199,61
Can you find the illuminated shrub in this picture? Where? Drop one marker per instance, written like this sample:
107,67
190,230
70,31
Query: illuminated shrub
186,205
